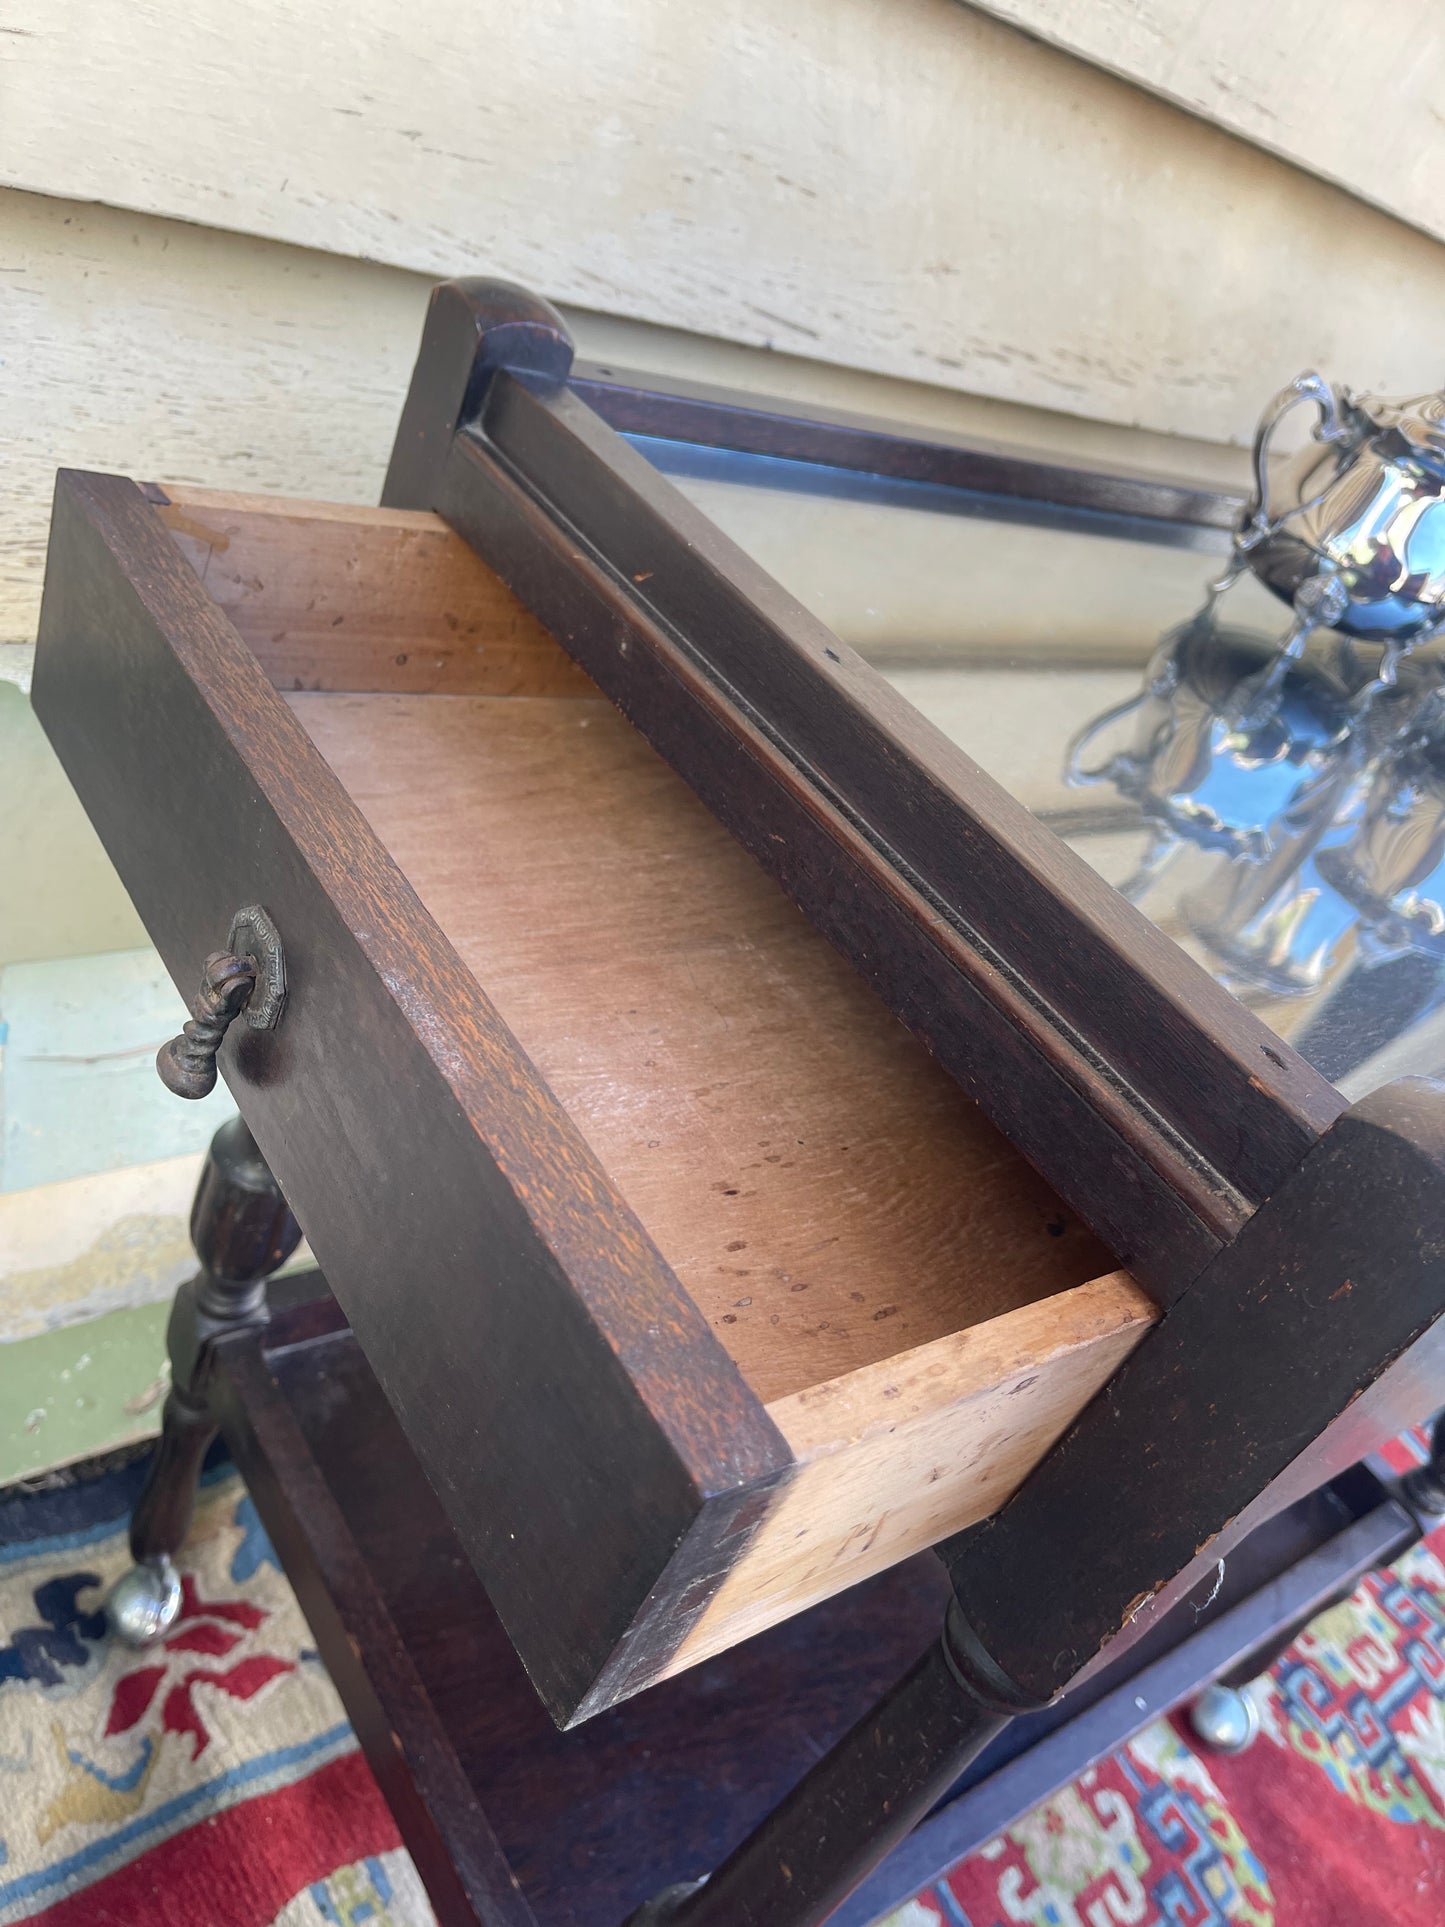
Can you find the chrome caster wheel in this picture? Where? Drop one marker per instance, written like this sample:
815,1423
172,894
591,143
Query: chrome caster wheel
143,1603
659,1910
1225,1719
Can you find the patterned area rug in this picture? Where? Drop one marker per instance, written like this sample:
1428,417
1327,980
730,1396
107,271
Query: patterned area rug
214,1782
210,1782
1335,1817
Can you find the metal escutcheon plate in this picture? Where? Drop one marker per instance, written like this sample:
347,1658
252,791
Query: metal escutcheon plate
253,934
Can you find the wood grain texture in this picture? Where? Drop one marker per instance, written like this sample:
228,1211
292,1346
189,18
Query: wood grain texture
899,1454
599,1449
568,1399
1150,1098
826,1194
344,598
705,169
383,1685
854,1231
1318,1302
593,1821
870,912
1296,81
475,326
230,362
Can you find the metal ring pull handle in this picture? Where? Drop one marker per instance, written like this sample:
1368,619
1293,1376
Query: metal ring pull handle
250,976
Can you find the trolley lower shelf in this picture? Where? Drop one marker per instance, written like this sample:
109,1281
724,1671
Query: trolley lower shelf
515,1824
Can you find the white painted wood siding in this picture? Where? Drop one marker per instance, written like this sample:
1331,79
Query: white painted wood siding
1353,90
913,188
181,353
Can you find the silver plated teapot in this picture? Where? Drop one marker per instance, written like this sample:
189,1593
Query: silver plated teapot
1305,770
1206,762
1368,861
1350,531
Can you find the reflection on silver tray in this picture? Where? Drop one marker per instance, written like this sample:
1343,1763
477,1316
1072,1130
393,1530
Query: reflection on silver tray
1307,770
1266,783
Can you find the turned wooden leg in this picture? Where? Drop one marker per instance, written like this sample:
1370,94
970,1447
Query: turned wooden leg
859,1800
242,1229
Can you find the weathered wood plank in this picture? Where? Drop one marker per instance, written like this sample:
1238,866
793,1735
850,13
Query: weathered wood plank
1005,225
1300,81
237,363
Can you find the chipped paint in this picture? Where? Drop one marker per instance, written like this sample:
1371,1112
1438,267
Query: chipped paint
68,1394
89,1245
135,1261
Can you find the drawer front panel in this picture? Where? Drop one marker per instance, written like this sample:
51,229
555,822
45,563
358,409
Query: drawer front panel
561,1390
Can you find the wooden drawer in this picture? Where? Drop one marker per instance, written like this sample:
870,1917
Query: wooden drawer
699,1290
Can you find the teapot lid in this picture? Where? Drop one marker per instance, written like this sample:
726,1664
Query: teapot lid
1418,419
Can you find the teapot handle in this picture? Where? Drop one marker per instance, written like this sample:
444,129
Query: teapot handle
1075,775
1334,426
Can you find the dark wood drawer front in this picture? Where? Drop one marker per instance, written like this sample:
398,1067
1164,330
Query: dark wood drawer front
727,1298
563,1395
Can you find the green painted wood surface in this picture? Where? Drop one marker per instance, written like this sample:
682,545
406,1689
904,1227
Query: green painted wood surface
84,1389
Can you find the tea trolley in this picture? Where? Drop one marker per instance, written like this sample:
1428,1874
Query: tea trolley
841,1300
